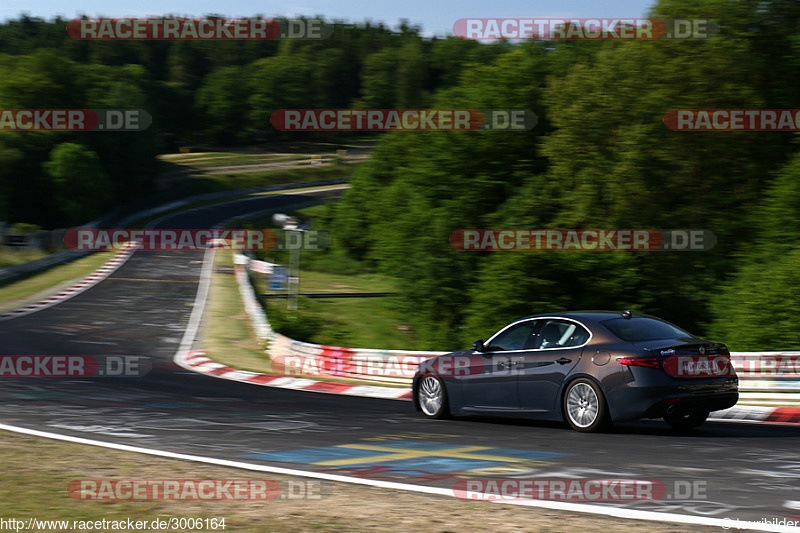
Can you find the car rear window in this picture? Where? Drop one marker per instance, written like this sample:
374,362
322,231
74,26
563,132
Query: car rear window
643,329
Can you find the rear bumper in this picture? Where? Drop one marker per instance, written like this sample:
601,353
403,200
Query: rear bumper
652,396
687,405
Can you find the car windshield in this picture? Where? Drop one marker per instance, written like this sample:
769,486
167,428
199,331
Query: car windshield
643,329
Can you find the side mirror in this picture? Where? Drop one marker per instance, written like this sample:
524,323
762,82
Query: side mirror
478,345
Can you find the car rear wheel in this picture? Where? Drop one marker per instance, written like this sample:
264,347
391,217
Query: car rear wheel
585,406
686,420
432,397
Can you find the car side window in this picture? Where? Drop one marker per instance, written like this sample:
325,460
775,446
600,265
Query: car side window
516,337
560,334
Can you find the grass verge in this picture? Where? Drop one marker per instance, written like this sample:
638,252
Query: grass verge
227,333
142,222
210,159
10,256
207,183
352,322
38,286
36,473
377,322
228,336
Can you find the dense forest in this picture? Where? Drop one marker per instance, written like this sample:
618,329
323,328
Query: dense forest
217,93
599,157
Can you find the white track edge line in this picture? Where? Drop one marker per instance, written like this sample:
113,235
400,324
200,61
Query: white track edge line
615,512
193,327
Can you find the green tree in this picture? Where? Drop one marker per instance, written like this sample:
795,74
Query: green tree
757,308
411,75
222,102
82,188
280,82
378,80
419,187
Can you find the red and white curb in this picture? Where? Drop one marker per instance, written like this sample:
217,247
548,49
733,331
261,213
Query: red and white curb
197,361
754,413
93,279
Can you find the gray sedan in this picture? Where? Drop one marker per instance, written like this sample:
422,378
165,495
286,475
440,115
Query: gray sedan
587,368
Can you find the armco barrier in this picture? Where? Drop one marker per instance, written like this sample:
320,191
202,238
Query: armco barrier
768,378
125,215
393,367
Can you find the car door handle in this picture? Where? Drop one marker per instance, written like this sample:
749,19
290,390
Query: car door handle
563,361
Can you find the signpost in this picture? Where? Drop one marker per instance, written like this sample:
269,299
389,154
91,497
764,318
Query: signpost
279,278
293,231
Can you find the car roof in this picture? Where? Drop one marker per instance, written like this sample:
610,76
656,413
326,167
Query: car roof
588,316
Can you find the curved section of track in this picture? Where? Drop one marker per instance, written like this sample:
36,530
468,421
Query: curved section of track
722,470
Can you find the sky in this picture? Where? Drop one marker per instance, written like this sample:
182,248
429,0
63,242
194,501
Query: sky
436,17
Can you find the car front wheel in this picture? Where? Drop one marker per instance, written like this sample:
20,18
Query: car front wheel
585,406
432,397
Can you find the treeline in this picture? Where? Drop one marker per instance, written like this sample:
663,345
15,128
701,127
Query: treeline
209,92
57,179
601,157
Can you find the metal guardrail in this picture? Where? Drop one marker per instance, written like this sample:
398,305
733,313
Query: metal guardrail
395,367
768,378
123,216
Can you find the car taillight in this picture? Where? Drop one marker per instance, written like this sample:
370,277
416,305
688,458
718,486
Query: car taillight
649,362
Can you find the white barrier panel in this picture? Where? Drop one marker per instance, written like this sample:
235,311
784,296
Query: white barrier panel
293,357
768,378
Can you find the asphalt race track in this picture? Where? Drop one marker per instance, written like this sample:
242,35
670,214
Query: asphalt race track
722,470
